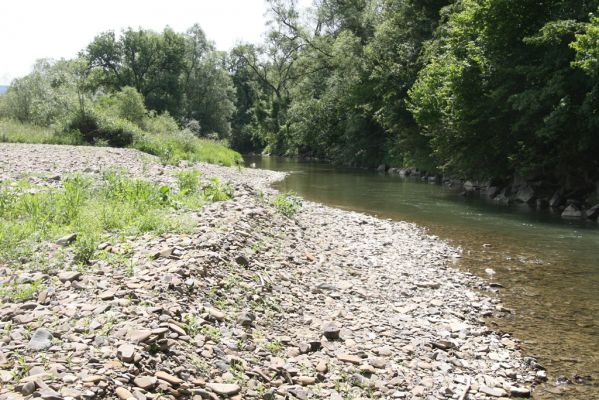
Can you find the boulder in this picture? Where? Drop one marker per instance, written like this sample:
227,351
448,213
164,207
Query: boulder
382,168
556,200
525,194
572,211
491,191
593,212
469,186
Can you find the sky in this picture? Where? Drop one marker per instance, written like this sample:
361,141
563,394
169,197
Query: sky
34,29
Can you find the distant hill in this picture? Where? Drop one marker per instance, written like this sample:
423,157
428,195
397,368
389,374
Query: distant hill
3,89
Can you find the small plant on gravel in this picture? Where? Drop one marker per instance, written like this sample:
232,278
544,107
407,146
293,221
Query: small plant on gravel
192,325
189,181
19,292
214,190
287,204
211,332
201,365
237,372
274,346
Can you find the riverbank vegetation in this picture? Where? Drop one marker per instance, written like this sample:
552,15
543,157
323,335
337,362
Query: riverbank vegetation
478,89
84,212
475,88
164,93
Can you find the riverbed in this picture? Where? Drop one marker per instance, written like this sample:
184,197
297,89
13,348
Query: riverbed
548,267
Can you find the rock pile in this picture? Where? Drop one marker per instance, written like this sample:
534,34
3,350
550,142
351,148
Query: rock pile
328,304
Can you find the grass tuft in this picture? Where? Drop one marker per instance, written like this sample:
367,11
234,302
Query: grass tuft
115,205
171,148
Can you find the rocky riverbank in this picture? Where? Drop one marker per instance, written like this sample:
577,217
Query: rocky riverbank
581,202
251,305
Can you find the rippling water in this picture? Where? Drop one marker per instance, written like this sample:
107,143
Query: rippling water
548,266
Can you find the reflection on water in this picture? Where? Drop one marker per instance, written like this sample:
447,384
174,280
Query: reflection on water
549,266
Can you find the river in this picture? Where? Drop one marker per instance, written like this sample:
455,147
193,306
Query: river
549,267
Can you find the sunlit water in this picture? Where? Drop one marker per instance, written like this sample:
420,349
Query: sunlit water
548,266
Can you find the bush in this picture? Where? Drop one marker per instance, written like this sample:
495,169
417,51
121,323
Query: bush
287,204
97,128
160,123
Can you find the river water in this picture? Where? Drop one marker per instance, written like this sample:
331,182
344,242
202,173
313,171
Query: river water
549,267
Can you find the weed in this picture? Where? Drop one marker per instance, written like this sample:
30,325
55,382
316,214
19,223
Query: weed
211,332
214,190
274,347
189,181
287,204
200,365
17,292
192,325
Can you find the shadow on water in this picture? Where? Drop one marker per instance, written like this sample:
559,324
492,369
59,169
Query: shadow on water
548,266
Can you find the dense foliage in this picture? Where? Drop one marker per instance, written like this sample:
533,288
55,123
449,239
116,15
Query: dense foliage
121,84
478,88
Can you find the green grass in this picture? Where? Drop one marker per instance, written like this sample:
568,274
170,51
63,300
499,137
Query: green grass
175,147
116,205
170,148
287,204
18,132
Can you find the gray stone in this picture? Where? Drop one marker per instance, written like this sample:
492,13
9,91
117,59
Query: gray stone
69,276
246,318
572,212
126,352
525,194
41,340
224,389
67,240
331,331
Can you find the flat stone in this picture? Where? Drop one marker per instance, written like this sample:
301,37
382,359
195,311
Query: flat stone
139,335
495,392
306,380
177,329
145,382
522,392
69,276
93,378
124,394
165,376
348,358
67,240
41,340
49,394
107,295
224,389
126,352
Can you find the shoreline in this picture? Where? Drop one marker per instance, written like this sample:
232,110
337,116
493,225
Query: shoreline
327,304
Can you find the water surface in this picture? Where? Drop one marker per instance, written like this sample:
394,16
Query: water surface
548,266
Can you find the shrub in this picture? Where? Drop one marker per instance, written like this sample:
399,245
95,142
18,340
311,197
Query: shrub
96,127
287,204
160,123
